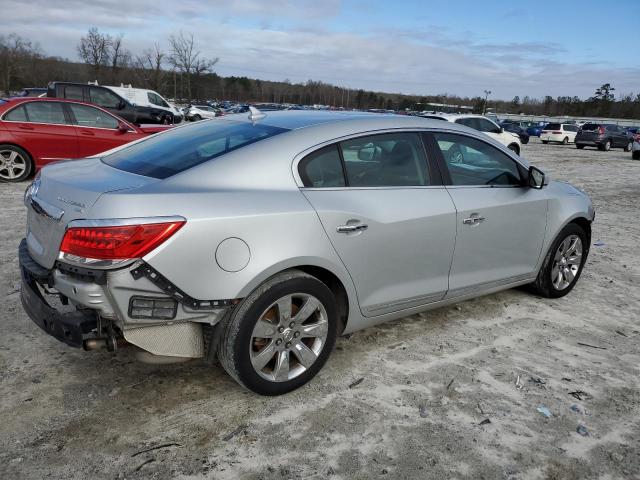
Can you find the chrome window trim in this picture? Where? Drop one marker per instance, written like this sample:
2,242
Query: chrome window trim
121,222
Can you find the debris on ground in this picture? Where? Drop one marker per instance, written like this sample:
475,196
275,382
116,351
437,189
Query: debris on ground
537,380
144,463
519,384
485,422
357,382
577,408
545,411
621,333
599,243
580,395
423,411
582,430
164,445
232,434
591,346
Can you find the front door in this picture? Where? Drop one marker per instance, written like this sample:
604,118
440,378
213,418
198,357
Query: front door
500,222
388,217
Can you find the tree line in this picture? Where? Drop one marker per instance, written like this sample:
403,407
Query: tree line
184,73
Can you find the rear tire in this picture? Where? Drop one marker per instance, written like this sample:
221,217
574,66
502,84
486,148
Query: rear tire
606,146
565,141
197,117
628,147
15,164
524,140
242,349
554,263
579,147
636,155
545,141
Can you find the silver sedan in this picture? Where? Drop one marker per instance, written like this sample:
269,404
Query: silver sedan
258,240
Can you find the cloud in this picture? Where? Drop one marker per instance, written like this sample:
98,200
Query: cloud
300,40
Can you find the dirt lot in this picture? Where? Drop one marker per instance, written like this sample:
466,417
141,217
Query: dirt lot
408,399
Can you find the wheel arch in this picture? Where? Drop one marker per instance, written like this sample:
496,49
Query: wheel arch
515,147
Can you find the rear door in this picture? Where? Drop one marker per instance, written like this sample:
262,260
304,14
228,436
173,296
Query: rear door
500,222
43,129
387,215
97,130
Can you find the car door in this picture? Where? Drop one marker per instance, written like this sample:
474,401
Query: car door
500,222
97,130
387,215
43,130
571,131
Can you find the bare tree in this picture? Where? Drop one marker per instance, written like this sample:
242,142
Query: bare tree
94,49
186,60
150,64
120,57
16,54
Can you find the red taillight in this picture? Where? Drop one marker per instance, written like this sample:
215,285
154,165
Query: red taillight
557,133
117,243
636,137
602,130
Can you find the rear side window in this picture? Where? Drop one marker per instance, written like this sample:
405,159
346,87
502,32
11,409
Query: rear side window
45,112
387,160
589,127
92,117
17,115
322,169
553,126
180,149
104,98
73,92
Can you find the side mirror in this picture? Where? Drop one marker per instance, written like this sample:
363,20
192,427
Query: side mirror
536,178
123,127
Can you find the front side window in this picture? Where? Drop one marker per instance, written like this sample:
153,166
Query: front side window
180,149
322,168
73,92
45,112
387,160
17,115
156,99
485,125
92,117
104,98
473,162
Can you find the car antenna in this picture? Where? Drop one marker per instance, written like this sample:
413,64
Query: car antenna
255,114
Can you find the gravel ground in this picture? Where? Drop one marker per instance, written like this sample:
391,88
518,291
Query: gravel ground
428,396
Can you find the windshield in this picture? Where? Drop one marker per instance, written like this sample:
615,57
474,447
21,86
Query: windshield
183,148
552,126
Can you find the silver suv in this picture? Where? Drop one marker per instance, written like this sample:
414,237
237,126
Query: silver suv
259,240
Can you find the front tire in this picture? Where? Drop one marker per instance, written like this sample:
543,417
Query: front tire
636,155
628,147
15,164
563,263
280,336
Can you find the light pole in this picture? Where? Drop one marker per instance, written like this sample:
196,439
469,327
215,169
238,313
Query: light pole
486,95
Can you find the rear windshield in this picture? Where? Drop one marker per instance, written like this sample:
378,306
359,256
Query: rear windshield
183,148
552,126
590,126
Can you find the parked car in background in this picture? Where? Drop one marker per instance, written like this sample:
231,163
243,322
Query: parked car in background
559,133
38,131
632,130
604,137
534,129
113,102
635,148
198,112
179,251
484,125
516,127
33,92
142,97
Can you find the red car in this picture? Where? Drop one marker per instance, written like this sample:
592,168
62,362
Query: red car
37,131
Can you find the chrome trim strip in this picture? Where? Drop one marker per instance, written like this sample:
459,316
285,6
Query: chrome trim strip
118,222
380,308
45,209
458,292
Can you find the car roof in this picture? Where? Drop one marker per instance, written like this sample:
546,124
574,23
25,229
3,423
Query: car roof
452,117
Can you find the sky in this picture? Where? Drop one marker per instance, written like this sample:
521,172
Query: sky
429,47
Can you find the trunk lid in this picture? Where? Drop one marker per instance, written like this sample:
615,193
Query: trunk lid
66,191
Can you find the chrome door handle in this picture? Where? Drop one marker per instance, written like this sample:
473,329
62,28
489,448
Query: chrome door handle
351,228
473,220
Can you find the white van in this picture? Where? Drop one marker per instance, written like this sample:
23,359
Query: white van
146,98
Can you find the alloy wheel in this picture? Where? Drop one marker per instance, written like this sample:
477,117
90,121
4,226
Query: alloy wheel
566,262
289,337
12,164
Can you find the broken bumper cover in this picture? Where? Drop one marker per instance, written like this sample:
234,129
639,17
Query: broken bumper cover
72,328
